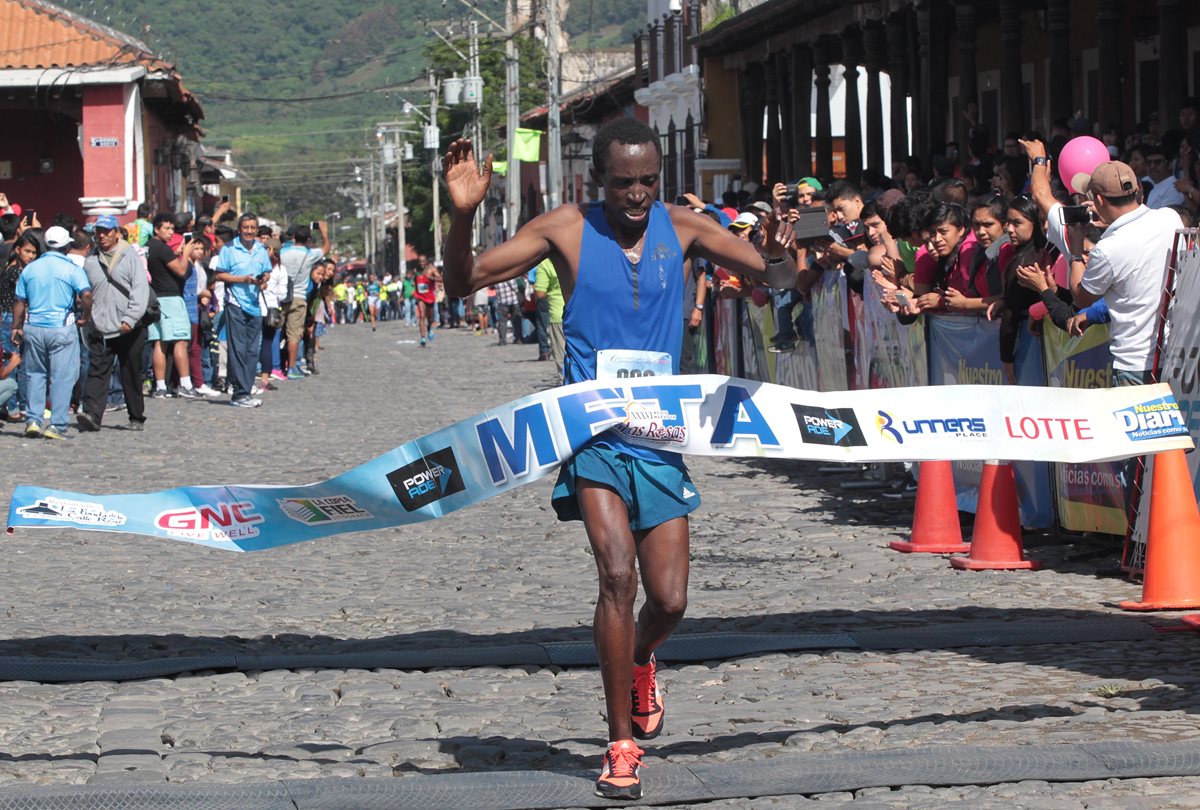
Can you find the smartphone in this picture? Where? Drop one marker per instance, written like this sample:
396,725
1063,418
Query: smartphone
903,300
314,226
187,237
30,213
224,198
812,222
1076,215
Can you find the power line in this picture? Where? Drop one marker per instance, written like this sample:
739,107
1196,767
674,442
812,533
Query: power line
404,85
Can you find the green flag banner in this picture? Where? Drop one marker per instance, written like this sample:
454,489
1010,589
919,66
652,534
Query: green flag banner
527,145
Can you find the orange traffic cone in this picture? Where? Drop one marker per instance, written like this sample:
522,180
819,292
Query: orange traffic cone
935,528
1172,575
996,540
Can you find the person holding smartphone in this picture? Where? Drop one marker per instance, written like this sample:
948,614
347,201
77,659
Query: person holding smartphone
244,267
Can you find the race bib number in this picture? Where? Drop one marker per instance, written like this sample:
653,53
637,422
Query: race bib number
622,364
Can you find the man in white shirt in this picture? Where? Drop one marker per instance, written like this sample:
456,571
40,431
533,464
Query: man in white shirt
1125,267
1159,170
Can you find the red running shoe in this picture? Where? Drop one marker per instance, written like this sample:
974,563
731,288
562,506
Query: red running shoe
648,709
619,777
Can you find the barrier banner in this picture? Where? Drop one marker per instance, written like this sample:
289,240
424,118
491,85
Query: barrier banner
1089,496
831,326
1179,364
725,328
892,354
797,368
710,415
965,350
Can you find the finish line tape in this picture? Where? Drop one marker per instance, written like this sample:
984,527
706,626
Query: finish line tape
708,415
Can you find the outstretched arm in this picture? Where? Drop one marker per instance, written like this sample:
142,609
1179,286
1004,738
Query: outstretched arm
772,264
462,271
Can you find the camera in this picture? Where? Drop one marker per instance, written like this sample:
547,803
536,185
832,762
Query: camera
1076,215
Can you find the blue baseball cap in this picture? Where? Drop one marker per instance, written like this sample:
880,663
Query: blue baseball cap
107,221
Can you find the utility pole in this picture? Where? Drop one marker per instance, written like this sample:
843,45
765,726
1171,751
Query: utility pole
480,152
554,125
435,171
512,89
401,236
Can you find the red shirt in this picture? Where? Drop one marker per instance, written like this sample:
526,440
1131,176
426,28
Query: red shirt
425,290
925,267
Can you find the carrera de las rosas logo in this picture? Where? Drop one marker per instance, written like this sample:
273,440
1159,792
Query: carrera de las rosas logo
217,522
1153,419
428,479
331,509
83,513
831,426
961,427
646,420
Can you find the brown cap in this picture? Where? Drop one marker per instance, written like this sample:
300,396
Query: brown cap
1113,179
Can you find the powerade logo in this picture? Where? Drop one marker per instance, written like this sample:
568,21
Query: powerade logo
963,427
1153,419
427,479
830,426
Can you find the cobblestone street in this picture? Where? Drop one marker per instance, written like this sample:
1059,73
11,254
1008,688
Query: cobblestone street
776,547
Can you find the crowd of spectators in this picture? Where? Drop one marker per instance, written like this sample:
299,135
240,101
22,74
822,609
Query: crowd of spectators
996,235
96,317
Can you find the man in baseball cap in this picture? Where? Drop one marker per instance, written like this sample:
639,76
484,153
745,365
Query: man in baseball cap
1126,268
47,291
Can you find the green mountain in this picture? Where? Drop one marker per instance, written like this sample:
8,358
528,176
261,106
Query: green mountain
295,87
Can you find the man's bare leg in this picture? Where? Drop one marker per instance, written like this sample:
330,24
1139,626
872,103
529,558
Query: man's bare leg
664,551
663,559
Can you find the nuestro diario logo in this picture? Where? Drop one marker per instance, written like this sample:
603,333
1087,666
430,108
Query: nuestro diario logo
830,426
331,509
1153,419
84,513
218,522
426,480
963,427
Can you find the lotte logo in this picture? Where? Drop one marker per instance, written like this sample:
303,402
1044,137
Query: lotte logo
1046,427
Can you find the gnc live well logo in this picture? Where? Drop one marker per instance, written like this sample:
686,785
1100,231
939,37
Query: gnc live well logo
218,522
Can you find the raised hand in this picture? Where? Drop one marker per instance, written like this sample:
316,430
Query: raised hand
467,186
1032,277
778,234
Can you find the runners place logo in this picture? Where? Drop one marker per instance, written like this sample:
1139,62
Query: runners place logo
333,509
831,426
428,479
962,427
1154,419
83,513
219,522
884,423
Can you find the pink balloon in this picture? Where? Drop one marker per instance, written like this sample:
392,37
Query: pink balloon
1079,159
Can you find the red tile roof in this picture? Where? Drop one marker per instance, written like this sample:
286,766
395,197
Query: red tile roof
37,34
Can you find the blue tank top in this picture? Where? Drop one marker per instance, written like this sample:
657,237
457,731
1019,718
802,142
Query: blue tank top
619,305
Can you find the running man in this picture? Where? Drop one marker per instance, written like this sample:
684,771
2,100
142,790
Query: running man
425,293
620,263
